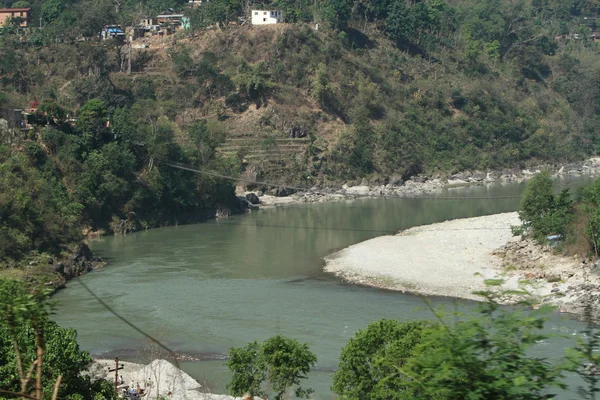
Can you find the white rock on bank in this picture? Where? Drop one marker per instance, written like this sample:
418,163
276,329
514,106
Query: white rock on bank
159,378
358,190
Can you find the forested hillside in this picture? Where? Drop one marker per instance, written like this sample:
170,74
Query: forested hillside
381,89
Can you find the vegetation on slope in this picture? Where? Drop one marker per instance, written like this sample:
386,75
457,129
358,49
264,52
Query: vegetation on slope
383,89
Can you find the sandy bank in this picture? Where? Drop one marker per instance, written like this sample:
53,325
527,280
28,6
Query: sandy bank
439,259
453,258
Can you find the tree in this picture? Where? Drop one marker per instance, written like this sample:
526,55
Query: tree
369,362
335,13
322,88
205,141
30,341
215,12
20,4
253,81
485,354
542,211
400,21
591,208
51,10
281,361
92,117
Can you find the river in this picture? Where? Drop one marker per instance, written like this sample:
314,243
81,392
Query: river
203,288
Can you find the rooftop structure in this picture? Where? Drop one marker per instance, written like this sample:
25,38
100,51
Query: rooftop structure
264,17
22,14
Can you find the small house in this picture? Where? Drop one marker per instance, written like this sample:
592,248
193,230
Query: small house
262,17
20,14
149,22
112,32
169,19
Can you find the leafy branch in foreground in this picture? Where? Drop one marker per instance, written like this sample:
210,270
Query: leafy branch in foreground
584,359
485,354
38,359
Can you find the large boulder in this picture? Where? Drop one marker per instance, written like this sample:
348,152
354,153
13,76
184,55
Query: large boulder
253,198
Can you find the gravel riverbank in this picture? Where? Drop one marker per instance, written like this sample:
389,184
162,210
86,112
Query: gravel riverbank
417,185
453,258
439,259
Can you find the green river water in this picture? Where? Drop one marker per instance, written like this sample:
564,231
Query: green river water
204,288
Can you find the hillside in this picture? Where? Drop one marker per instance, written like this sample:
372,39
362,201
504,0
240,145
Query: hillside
381,90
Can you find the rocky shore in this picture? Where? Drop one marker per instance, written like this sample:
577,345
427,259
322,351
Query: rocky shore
569,283
54,271
415,186
454,258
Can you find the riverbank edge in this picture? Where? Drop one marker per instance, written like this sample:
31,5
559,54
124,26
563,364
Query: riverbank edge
53,271
49,273
417,185
389,262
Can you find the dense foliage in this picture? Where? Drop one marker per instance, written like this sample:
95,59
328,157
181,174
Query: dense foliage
370,361
25,330
280,361
543,212
572,223
486,355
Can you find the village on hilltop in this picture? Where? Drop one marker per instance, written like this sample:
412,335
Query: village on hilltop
162,24
157,26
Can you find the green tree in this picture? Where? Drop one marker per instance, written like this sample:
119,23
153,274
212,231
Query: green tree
205,141
29,339
51,10
247,373
542,211
253,81
92,117
335,13
322,88
36,212
215,12
287,362
20,4
591,208
370,361
485,354
400,23
281,361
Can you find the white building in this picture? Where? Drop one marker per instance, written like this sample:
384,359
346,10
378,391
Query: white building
262,17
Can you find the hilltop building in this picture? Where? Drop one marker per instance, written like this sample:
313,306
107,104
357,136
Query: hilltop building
262,17
6,14
169,19
112,32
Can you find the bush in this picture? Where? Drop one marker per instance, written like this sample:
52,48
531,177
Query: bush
541,211
281,361
369,362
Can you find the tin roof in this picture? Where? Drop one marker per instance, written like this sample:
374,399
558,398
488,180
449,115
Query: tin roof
8,10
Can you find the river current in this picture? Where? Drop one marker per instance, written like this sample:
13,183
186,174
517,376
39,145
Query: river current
204,288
